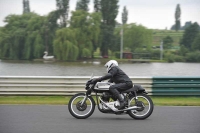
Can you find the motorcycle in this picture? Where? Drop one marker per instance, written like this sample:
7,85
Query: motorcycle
138,104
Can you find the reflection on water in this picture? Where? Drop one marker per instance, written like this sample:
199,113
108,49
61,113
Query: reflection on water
85,68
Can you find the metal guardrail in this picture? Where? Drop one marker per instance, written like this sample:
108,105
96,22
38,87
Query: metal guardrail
69,85
52,85
176,86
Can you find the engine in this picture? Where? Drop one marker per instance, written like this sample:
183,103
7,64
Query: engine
106,96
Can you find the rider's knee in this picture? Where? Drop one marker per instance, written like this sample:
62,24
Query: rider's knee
111,88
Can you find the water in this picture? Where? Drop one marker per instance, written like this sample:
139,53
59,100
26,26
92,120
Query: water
27,68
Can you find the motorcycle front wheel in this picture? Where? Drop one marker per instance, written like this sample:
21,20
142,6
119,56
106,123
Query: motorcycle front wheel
80,109
145,105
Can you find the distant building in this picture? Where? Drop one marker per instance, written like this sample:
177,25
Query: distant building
127,55
187,24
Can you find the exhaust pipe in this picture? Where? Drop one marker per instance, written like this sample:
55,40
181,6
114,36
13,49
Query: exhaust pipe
116,110
130,108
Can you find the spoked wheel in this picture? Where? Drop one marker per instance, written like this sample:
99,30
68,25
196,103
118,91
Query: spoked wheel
80,109
145,107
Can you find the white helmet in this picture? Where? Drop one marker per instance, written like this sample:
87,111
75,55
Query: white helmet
110,64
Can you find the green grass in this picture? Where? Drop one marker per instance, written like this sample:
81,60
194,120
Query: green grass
158,35
60,100
176,101
63,100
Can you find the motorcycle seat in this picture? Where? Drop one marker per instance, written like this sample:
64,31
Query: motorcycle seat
136,88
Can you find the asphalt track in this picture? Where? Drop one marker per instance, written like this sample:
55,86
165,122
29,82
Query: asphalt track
57,119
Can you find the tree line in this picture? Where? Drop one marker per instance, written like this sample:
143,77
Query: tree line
28,35
189,43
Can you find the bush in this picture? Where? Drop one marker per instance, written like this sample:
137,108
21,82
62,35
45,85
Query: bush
117,55
170,56
178,58
155,54
86,53
193,56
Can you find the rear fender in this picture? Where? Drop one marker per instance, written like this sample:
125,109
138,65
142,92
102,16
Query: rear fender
139,89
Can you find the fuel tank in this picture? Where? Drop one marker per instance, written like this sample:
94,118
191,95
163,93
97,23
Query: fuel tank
103,86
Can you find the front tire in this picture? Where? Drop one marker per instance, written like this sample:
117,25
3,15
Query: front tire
81,111
146,107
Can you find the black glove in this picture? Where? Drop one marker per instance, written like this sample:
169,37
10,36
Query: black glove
88,82
95,80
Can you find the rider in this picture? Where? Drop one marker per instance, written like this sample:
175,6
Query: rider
121,80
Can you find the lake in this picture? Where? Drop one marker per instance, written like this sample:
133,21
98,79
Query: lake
84,68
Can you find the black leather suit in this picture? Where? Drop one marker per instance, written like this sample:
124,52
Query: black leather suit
121,80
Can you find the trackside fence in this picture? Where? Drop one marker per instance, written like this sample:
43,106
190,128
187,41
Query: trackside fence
176,86
69,85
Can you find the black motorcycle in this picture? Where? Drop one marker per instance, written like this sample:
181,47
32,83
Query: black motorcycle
138,104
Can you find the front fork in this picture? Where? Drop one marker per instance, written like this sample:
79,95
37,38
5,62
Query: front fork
88,92
83,101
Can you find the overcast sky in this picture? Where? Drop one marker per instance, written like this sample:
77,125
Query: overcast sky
155,14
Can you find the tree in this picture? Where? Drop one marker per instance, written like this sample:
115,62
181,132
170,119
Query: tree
177,17
87,28
1,34
167,42
124,20
35,44
196,43
63,9
82,5
189,35
137,36
15,33
65,45
124,15
23,36
97,6
95,23
38,46
109,10
173,27
50,26
26,6
79,22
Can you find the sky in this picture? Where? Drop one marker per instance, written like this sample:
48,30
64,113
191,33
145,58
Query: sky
153,14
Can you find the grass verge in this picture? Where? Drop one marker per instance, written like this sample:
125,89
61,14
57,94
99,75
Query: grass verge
63,100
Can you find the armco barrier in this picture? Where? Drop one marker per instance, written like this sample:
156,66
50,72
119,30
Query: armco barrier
176,86
69,85
52,85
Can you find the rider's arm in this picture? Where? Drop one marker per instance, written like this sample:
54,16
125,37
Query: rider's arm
110,80
107,76
110,74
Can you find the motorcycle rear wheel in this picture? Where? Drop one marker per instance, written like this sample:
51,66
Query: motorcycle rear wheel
81,111
146,104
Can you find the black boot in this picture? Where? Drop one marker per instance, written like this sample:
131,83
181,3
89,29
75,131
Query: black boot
122,103
116,93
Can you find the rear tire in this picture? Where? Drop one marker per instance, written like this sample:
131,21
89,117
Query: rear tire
146,105
81,111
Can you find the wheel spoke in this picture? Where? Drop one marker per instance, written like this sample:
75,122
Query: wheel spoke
81,110
143,103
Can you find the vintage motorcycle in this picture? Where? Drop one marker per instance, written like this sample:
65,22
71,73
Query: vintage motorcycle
138,104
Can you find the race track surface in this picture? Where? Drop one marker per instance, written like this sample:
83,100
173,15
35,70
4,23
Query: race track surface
57,119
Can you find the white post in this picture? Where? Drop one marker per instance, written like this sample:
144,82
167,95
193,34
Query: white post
121,46
161,50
